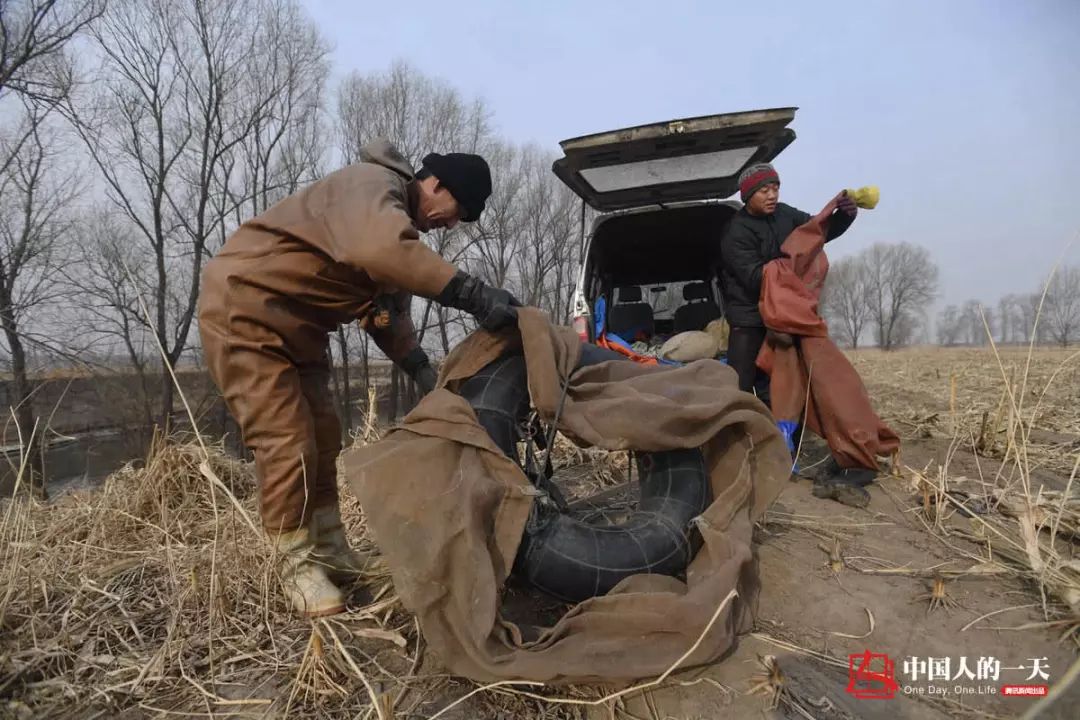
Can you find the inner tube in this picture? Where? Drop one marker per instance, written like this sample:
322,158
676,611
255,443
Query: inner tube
575,560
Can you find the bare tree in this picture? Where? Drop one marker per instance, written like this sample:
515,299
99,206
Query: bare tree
975,319
949,326
137,130
564,235
35,195
1033,323
34,35
1015,318
112,272
536,260
1061,308
417,113
844,301
910,328
1006,315
284,142
496,235
175,99
901,283
545,262
35,75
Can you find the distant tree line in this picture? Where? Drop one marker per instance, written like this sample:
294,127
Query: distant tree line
882,297
1050,315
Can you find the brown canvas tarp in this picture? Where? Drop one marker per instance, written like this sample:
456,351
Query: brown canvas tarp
838,407
447,510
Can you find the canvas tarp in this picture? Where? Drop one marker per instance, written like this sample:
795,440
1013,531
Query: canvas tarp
447,510
838,407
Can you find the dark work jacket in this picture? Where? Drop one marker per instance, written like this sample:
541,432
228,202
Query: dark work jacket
748,244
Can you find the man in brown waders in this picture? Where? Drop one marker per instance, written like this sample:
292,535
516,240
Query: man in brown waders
346,247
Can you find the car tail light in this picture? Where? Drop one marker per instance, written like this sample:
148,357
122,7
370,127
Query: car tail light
581,327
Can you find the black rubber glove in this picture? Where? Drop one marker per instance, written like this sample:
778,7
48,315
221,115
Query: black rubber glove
846,203
493,308
417,366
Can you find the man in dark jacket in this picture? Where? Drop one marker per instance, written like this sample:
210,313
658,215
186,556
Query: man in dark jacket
753,238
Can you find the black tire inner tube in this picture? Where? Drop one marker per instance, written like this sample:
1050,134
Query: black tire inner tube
575,560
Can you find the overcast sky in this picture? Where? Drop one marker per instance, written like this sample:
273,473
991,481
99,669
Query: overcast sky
966,114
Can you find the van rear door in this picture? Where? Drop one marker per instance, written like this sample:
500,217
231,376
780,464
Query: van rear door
674,161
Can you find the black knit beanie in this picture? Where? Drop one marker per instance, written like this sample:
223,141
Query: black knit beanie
466,176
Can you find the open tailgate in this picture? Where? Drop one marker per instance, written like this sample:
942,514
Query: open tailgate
673,161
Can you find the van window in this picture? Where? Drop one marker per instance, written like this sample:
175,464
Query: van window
664,298
666,301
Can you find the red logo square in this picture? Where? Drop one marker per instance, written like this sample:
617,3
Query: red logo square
870,681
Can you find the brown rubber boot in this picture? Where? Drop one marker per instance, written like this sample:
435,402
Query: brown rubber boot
303,577
332,547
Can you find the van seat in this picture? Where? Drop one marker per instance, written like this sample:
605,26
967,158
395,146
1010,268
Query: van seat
699,309
630,318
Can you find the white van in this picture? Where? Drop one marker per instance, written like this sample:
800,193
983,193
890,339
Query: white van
663,192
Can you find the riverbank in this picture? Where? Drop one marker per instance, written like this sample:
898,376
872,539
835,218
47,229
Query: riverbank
94,425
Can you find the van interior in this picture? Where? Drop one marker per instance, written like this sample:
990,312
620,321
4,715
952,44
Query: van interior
656,270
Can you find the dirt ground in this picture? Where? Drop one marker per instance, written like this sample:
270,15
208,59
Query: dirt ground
940,401
807,604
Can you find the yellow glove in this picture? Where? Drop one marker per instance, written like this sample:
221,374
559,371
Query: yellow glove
865,197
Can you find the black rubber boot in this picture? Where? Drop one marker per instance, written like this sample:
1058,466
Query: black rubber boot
845,485
851,495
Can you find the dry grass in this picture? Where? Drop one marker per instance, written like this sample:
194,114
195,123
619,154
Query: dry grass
982,396
1016,408
155,594
587,471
